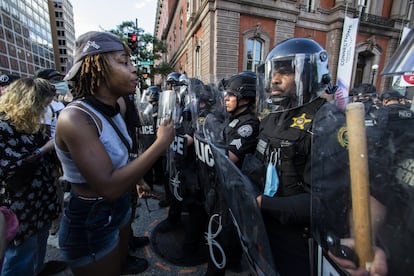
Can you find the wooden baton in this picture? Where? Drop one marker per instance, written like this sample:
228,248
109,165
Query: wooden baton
358,166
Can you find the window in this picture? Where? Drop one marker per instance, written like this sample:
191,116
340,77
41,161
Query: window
256,41
188,12
310,6
254,53
198,62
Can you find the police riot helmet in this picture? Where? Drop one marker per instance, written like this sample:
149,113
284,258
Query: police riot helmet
153,93
390,95
187,86
205,99
363,92
183,79
152,89
205,94
306,60
242,85
173,78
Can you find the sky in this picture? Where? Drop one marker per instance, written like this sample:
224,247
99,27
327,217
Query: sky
98,15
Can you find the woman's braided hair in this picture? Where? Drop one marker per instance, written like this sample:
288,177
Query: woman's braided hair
95,69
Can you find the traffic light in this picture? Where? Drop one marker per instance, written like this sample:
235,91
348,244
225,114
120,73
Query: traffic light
133,42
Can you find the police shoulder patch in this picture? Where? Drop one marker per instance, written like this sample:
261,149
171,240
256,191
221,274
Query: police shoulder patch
245,130
342,136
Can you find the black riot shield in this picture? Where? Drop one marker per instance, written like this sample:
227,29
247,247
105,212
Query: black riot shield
391,193
240,198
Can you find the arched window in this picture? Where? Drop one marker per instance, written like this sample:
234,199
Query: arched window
254,53
256,42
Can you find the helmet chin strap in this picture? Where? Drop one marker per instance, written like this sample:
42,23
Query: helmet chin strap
280,102
238,107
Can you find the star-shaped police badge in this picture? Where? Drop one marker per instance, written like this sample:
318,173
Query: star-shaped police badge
300,122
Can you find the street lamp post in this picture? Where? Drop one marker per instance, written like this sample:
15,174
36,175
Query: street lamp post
374,71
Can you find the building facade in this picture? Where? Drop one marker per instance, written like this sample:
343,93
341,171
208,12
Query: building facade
63,33
212,39
27,42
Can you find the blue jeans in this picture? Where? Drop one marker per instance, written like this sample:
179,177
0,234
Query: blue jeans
28,257
89,229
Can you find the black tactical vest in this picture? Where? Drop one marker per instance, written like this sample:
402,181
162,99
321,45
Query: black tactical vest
286,137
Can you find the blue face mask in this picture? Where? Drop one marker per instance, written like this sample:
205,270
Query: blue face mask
62,87
272,178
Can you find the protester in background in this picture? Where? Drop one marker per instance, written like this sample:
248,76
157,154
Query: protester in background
52,113
5,80
93,145
62,88
27,175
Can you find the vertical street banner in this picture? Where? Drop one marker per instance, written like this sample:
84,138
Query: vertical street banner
346,60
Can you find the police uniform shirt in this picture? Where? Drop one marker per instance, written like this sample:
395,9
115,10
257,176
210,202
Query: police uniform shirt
240,134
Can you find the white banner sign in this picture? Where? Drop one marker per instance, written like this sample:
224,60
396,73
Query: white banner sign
346,60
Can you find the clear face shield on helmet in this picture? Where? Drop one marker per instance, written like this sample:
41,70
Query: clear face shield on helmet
206,101
145,109
291,81
167,105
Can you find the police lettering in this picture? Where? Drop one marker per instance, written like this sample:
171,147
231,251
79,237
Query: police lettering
178,145
147,129
405,114
203,152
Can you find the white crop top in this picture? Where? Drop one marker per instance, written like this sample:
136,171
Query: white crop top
109,138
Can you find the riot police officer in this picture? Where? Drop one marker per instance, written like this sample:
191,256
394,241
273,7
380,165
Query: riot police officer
392,171
294,75
147,135
242,126
183,184
367,94
179,238
173,80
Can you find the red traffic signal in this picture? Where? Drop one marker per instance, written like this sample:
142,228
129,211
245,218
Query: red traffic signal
133,42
